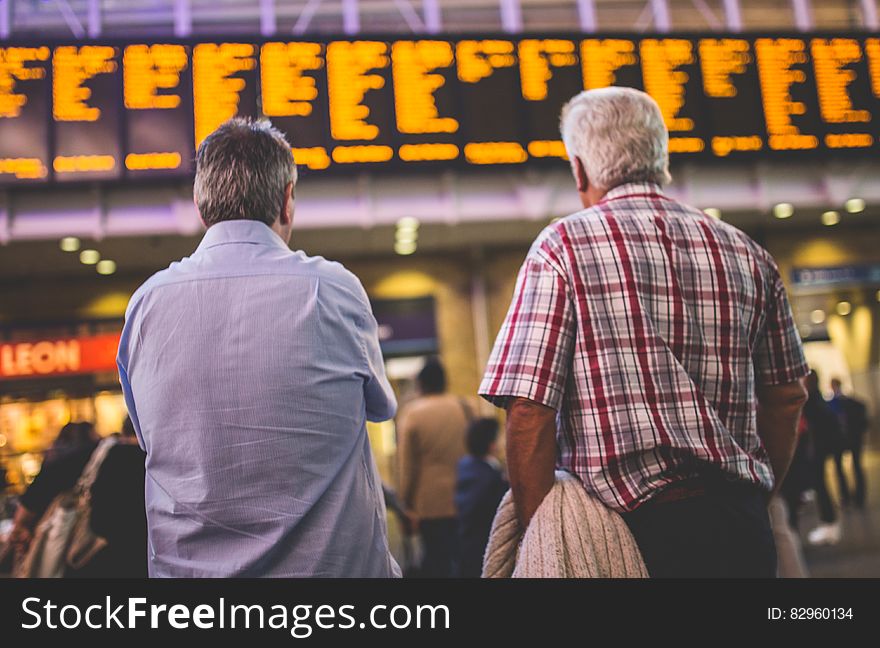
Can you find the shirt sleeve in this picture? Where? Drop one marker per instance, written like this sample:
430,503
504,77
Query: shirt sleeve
532,354
123,359
779,354
378,393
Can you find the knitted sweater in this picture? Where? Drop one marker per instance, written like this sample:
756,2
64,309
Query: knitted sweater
572,535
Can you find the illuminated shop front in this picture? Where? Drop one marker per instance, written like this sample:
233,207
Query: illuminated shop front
47,382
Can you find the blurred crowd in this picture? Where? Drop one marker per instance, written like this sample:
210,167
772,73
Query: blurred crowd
450,483
94,488
829,430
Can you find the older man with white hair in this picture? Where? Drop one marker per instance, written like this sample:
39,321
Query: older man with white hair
650,350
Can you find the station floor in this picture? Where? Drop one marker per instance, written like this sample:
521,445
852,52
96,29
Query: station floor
858,553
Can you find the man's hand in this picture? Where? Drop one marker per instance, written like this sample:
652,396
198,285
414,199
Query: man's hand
779,409
531,454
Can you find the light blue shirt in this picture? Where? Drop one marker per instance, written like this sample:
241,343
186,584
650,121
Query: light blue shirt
249,372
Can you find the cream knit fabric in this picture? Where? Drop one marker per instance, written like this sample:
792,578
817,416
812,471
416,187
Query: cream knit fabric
572,535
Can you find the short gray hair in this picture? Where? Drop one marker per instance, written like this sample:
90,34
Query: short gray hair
619,135
242,169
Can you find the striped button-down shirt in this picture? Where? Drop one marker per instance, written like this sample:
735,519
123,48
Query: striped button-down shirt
648,326
249,372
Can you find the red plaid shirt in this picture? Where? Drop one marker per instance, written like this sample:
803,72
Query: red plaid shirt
647,325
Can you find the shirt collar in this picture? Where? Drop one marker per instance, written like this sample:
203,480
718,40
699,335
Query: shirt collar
633,189
240,231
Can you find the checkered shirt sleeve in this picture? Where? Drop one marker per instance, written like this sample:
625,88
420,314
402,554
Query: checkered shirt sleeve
532,354
779,354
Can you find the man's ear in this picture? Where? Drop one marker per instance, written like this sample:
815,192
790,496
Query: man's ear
580,175
286,215
201,220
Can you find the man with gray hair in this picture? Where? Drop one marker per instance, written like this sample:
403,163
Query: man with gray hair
249,372
651,351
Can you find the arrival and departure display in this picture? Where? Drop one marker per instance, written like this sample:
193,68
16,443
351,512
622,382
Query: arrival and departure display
101,111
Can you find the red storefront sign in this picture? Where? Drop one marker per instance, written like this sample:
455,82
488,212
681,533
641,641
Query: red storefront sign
63,357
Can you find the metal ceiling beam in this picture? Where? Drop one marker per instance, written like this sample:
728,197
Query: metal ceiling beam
660,12
182,18
351,17
803,14
305,17
524,194
733,15
707,14
511,16
410,16
268,23
70,17
94,18
869,15
587,15
432,16
5,18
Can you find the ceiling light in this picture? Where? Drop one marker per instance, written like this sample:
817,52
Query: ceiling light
106,267
854,205
405,248
830,218
783,210
408,223
817,316
406,236
844,308
714,212
69,244
89,257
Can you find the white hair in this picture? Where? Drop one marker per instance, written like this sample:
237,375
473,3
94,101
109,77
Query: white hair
619,136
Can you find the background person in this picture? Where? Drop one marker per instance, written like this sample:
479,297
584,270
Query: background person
799,478
826,438
479,487
117,512
853,417
249,372
651,349
61,469
431,432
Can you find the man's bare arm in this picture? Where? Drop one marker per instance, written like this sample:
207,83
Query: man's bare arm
531,454
779,409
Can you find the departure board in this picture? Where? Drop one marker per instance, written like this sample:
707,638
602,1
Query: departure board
224,84
845,106
425,103
550,75
293,84
157,93
24,114
104,111
360,102
86,88
731,91
789,94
